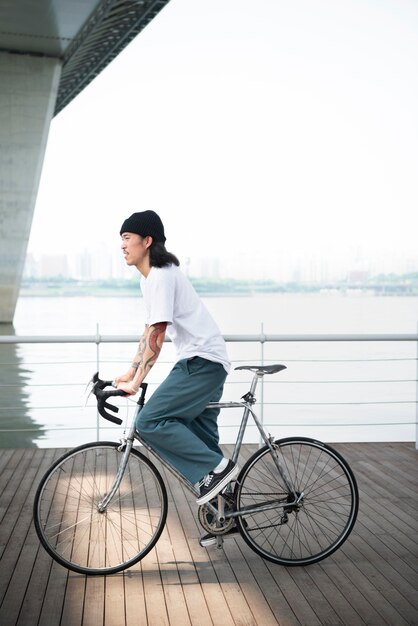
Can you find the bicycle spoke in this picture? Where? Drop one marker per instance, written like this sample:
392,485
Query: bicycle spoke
82,537
306,530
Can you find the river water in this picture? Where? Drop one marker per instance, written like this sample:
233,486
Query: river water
333,391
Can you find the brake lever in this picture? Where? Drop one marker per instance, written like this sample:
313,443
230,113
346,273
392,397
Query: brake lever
88,391
102,395
93,383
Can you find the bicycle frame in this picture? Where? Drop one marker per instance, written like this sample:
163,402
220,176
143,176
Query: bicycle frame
249,400
91,532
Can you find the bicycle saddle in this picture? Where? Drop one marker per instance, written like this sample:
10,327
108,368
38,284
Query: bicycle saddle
263,369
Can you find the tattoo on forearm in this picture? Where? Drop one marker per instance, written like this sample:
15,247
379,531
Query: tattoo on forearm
154,343
149,347
154,338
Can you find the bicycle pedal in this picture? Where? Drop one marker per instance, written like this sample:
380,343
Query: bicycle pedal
212,541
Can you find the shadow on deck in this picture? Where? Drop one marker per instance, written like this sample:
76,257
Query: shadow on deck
372,579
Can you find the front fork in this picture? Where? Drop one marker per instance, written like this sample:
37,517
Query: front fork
126,447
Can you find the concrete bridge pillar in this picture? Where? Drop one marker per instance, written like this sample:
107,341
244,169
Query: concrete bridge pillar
28,90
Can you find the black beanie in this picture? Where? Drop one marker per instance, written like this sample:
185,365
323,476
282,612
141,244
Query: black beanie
144,223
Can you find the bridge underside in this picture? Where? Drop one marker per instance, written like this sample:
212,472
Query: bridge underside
50,50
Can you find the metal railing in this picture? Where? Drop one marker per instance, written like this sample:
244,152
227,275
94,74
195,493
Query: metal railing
301,412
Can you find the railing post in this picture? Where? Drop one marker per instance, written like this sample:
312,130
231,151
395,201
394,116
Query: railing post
262,340
97,370
416,397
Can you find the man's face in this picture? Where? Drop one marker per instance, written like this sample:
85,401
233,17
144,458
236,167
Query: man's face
135,248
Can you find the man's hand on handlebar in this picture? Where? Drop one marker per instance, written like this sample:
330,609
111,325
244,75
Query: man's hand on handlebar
127,387
102,394
125,378
124,382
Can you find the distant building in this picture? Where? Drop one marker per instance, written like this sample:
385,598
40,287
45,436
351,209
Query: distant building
358,276
53,265
31,269
83,266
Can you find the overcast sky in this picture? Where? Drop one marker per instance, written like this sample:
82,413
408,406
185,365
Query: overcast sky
259,131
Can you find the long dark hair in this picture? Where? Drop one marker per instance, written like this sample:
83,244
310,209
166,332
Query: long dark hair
160,257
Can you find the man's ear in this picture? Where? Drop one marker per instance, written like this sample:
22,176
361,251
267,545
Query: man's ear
148,241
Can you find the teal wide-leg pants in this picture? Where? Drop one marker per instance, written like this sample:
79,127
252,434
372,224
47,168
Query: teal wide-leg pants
175,422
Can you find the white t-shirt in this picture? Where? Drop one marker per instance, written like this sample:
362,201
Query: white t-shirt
170,297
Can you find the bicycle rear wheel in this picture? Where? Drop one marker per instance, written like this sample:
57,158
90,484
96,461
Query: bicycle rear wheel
303,533
68,521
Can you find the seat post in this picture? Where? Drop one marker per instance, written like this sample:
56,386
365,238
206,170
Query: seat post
254,382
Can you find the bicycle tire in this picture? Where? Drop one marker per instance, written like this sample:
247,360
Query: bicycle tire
319,524
69,524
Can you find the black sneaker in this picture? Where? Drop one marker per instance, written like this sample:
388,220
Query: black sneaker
213,483
209,540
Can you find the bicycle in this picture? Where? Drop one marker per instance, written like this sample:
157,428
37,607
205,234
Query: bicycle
101,507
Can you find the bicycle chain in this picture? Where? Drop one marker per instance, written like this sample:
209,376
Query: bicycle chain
265,493
281,523
284,518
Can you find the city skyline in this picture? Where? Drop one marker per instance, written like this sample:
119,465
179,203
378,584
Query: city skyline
105,264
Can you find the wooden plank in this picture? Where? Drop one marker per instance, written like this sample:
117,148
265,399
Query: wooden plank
253,591
402,575
381,512
364,575
94,601
135,596
17,530
286,583
114,600
203,590
237,602
398,591
403,547
193,595
10,462
35,591
5,455
376,483
383,530
7,459
173,590
154,598
374,519
73,605
321,605
401,458
371,580
270,585
48,580
303,611
53,594
335,568
13,491
386,512
206,575
342,603
240,588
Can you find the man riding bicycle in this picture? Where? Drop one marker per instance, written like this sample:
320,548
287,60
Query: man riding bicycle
175,420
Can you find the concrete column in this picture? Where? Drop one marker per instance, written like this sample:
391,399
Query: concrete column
28,90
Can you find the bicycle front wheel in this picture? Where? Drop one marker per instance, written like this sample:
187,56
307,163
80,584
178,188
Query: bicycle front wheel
299,533
69,521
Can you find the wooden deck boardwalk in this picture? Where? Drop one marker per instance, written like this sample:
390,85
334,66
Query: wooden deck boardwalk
372,579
